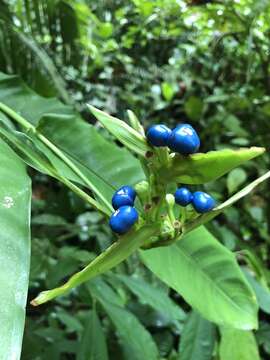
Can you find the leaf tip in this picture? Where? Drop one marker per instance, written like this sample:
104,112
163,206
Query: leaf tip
253,325
91,108
34,302
258,150
42,297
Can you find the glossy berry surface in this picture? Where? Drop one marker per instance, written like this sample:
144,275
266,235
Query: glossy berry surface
123,219
123,196
202,202
158,135
126,189
184,140
183,196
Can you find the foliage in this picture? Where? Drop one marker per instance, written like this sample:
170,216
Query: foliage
168,61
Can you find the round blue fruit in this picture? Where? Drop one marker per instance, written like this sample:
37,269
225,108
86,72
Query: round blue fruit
124,196
184,140
158,135
202,202
123,219
183,196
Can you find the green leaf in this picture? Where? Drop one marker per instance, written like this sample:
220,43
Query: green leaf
111,257
238,345
105,29
99,286
168,90
201,168
199,264
263,336
129,137
154,297
202,219
47,63
236,178
93,344
24,147
135,123
15,197
262,294
15,94
255,263
134,336
197,339
71,323
194,107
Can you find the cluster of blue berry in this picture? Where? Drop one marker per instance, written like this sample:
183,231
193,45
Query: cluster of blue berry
125,215
201,201
183,140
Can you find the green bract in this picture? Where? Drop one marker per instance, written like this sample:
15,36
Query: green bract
202,168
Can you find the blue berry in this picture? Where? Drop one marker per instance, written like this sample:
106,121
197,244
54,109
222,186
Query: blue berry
183,196
124,196
123,219
158,135
184,140
202,202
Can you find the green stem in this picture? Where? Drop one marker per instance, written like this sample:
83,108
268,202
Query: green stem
29,127
170,204
183,216
171,216
17,117
163,156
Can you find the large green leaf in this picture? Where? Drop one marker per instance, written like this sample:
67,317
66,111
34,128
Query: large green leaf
197,339
15,198
238,345
135,338
201,168
206,274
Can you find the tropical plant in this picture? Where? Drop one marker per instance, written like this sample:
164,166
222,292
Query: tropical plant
181,252
201,62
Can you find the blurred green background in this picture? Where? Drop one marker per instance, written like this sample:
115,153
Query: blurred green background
169,61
